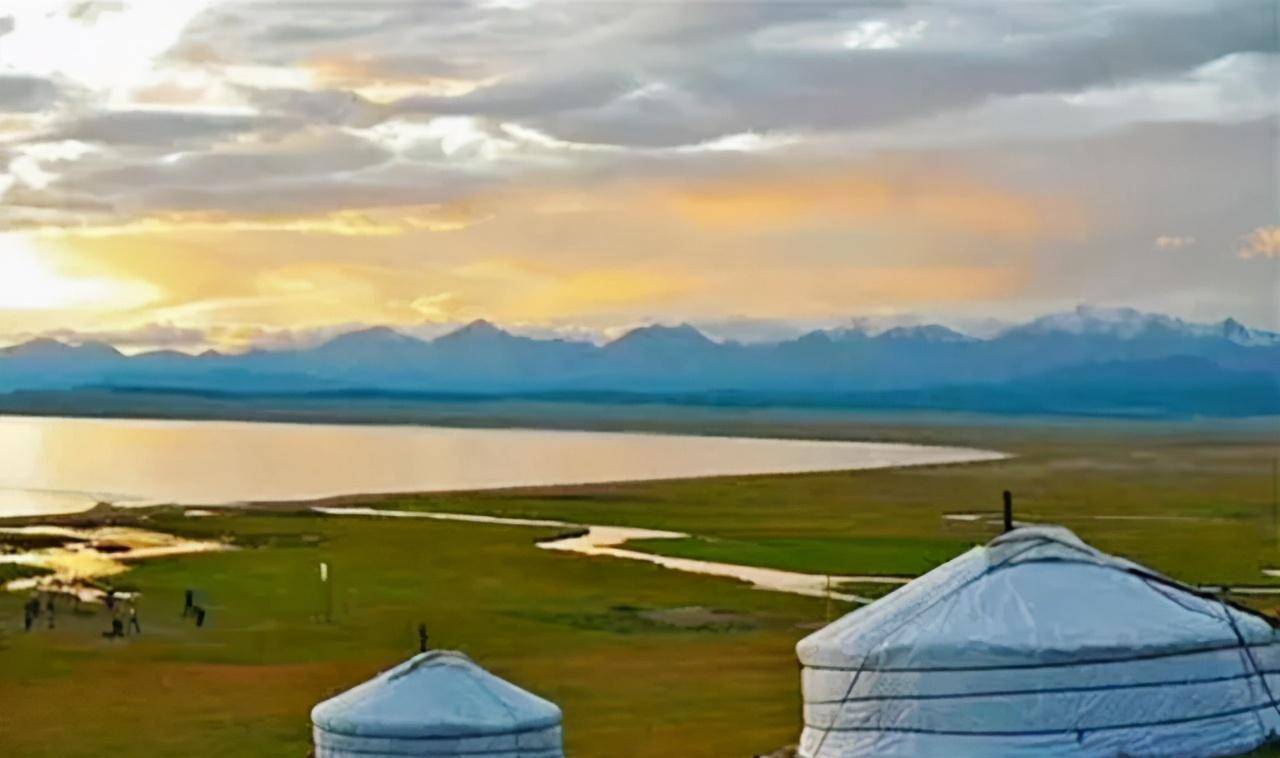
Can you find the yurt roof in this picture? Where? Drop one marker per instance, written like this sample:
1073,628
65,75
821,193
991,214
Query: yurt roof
434,694
1035,595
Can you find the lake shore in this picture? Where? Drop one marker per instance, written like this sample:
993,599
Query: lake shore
71,462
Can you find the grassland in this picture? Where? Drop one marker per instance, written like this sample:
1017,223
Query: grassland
604,638
12,571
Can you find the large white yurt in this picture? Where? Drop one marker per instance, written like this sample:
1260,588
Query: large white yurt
437,703
1037,644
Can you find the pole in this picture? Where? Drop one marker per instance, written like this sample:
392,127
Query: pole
1008,511
327,587
828,598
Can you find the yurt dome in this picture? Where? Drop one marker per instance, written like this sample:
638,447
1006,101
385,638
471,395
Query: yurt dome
1037,644
437,703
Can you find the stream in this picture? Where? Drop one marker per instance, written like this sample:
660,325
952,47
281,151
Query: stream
596,540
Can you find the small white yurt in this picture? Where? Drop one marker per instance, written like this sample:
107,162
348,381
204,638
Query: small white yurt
437,703
1037,644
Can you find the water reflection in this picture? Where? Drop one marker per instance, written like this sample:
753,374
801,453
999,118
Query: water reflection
76,461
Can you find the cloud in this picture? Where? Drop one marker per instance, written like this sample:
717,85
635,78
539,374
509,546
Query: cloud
728,84
1263,242
315,106
436,307
304,154
637,161
1174,242
341,107
149,127
667,75
346,223
868,195
244,337
27,94
150,336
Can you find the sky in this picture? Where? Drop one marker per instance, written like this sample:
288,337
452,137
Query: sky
193,174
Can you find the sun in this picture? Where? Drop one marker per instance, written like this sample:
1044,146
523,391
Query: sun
31,280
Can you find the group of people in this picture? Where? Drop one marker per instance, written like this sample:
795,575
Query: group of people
118,624
123,621
124,615
32,609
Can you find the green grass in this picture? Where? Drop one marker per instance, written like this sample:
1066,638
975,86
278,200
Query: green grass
868,590
601,637
12,571
12,543
894,556
551,622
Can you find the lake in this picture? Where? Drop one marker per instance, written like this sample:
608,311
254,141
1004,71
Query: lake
60,465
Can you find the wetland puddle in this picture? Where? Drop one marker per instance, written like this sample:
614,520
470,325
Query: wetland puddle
77,558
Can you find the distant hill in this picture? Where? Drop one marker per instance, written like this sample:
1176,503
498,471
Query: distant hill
1159,387
1090,360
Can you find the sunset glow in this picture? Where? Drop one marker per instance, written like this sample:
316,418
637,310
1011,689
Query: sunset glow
30,280
582,167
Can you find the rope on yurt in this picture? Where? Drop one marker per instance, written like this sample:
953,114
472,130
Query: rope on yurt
1248,654
1036,542
1227,608
853,681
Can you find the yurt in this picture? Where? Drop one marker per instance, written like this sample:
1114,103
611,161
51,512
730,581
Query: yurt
437,703
1037,644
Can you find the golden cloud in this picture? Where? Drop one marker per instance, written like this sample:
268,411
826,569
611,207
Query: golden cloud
1174,242
364,77
604,254
376,222
1263,242
789,292
940,203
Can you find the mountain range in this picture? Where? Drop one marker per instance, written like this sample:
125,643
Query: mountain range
1090,360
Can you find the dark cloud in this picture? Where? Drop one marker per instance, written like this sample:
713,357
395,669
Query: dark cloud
298,195
664,73
152,127
302,157
330,106
742,89
531,98
27,94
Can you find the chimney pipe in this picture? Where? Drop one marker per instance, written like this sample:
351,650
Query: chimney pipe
1008,511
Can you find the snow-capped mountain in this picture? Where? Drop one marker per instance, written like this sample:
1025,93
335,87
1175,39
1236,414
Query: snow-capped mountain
819,366
1128,323
935,333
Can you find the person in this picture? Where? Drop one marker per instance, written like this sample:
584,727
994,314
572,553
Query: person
110,600
133,620
189,603
117,628
48,608
30,611
422,638
199,615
